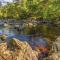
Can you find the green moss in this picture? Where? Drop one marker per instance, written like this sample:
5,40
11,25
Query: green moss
3,37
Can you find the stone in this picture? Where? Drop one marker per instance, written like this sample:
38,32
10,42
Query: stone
22,51
3,37
56,45
55,50
54,56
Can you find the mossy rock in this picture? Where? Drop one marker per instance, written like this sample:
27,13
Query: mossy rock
12,42
3,37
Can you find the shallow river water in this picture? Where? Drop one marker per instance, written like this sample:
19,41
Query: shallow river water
33,41
12,33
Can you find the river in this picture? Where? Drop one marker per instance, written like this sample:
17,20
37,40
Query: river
33,41
12,33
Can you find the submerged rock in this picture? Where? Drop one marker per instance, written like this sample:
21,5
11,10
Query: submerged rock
19,51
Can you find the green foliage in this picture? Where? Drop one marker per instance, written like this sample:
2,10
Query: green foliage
26,9
31,8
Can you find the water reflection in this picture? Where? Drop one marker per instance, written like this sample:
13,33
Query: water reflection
7,31
33,41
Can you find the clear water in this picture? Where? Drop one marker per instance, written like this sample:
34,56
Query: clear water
12,33
7,31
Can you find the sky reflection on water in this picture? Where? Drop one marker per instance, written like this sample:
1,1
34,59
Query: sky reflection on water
11,33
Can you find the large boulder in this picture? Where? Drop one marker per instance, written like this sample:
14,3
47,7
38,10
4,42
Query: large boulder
55,50
16,50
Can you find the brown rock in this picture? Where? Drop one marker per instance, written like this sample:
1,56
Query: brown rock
23,52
